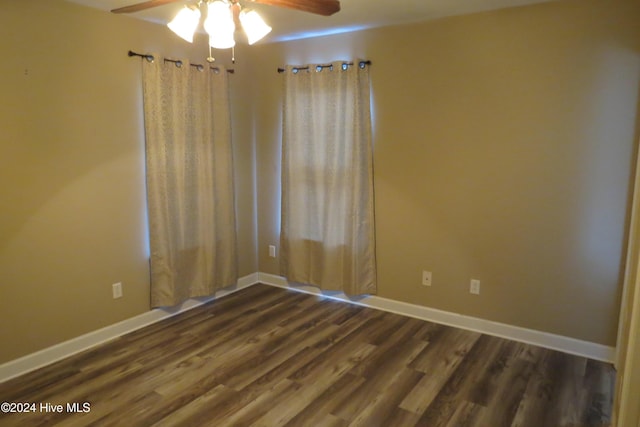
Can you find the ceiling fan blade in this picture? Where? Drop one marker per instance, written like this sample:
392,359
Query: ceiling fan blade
142,6
319,7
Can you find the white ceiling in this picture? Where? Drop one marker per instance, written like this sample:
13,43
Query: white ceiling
354,14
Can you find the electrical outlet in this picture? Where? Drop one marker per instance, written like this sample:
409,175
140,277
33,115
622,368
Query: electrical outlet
474,288
272,251
117,290
426,278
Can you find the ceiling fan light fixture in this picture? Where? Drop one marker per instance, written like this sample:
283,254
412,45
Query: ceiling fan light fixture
219,25
253,25
185,23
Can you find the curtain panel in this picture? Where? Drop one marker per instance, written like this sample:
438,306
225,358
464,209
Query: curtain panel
327,216
190,194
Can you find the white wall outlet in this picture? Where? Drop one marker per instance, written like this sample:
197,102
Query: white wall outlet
474,288
117,290
426,278
272,251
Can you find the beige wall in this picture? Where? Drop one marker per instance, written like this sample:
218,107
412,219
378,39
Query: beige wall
503,151
72,199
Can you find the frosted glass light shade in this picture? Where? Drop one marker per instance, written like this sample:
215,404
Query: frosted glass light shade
219,25
254,26
185,23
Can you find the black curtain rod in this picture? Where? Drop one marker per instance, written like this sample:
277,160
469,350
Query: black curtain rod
149,58
321,67
178,63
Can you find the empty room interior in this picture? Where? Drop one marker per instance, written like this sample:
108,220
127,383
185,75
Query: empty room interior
498,282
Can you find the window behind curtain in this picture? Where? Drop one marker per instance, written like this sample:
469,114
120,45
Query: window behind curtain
327,235
189,166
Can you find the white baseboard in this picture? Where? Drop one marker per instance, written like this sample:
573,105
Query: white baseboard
542,339
84,342
68,348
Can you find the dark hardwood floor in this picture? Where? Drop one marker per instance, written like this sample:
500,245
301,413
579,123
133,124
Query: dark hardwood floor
269,357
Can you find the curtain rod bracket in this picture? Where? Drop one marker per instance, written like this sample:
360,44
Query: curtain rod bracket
148,57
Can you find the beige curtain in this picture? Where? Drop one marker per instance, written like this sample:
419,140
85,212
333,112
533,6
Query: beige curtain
327,234
192,229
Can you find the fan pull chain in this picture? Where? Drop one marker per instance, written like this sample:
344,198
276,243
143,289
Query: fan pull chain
233,55
210,59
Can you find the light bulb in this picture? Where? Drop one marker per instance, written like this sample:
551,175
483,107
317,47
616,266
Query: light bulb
185,23
253,25
219,25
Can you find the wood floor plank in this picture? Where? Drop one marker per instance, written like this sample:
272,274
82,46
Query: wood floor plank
467,414
199,411
266,356
346,312
380,409
379,379
324,405
401,346
597,389
401,418
568,403
259,408
484,389
439,360
318,380
18,389
180,397
538,405
265,383
92,379
458,384
354,328
503,405
387,328
450,344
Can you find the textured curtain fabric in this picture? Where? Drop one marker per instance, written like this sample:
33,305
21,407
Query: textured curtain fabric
190,195
327,235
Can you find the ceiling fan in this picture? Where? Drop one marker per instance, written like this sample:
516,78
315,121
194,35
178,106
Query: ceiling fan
224,16
319,7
